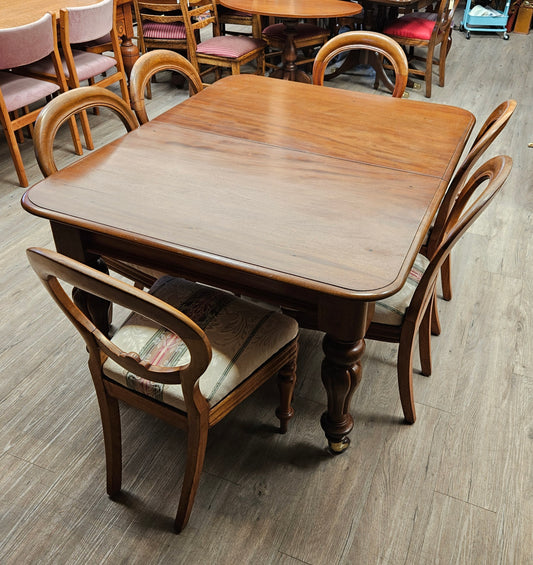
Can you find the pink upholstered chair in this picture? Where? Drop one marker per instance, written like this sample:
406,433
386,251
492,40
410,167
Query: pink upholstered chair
81,25
18,47
219,51
188,354
426,30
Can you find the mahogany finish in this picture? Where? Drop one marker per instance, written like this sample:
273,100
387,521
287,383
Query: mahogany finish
256,186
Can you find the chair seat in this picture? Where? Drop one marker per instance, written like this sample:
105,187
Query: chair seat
303,31
242,334
88,65
391,310
229,46
162,30
419,25
19,91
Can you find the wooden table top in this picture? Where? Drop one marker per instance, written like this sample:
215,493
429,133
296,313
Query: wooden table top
295,8
13,14
287,182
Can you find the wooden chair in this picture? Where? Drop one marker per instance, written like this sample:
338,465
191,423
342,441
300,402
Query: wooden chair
307,36
375,43
488,132
151,63
56,113
219,51
22,46
80,25
228,17
426,30
189,354
401,317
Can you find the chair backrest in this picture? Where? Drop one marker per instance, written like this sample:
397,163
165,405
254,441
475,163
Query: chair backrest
467,207
364,40
28,43
86,23
67,104
53,269
153,62
491,128
197,15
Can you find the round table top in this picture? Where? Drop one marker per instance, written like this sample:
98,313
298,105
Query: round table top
296,8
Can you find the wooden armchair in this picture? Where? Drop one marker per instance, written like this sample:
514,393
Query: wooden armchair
406,314
188,354
375,43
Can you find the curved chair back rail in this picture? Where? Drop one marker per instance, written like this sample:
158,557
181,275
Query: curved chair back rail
67,104
365,40
411,308
151,63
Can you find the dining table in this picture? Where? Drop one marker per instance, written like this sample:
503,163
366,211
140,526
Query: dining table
315,200
290,11
14,14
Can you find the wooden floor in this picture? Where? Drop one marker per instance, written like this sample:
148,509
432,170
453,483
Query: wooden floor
456,487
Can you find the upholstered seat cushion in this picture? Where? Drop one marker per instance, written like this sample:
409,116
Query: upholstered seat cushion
303,31
243,336
418,25
391,310
161,30
229,46
87,64
19,91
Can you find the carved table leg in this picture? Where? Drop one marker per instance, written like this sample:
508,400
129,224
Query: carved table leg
289,69
341,374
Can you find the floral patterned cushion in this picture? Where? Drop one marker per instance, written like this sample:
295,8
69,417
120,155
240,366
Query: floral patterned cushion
391,310
242,334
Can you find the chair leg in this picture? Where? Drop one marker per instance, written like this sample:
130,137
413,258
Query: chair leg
405,372
196,445
435,318
86,130
15,154
442,62
429,71
286,383
424,340
110,414
75,134
446,278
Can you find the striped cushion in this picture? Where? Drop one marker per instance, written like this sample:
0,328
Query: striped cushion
418,25
242,334
155,30
391,310
303,30
229,46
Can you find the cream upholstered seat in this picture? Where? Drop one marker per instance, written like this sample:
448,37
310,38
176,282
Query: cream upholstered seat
188,354
400,318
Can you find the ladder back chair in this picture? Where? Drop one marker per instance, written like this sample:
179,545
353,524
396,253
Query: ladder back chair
153,62
376,44
406,314
19,47
220,51
188,354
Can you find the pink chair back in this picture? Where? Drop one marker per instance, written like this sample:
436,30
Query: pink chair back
90,22
28,43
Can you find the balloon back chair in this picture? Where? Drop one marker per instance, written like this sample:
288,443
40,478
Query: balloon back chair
406,314
376,44
188,354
